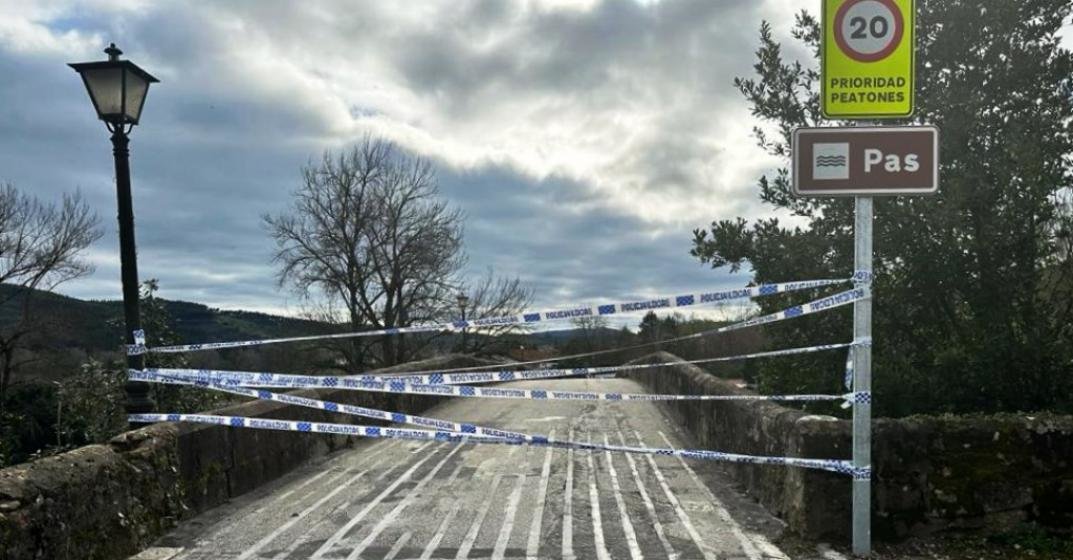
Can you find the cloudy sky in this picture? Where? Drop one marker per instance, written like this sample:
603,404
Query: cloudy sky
584,139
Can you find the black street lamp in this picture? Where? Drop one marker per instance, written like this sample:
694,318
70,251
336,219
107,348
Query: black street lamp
117,89
463,301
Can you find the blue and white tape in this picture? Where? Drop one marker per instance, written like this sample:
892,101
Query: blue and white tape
396,417
848,379
469,391
263,379
474,377
822,304
859,342
831,465
524,318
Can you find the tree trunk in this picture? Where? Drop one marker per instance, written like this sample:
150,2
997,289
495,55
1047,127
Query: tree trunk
6,371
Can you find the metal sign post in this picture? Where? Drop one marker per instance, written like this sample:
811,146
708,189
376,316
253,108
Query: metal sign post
868,54
862,380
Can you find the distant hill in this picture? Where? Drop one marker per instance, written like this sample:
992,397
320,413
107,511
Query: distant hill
562,335
95,326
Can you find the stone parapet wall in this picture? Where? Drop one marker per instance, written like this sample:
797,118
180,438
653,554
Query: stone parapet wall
930,472
108,501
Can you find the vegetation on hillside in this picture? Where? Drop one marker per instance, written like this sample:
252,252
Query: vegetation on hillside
83,403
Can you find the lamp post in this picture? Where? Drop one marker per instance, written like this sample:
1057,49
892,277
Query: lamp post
463,301
117,89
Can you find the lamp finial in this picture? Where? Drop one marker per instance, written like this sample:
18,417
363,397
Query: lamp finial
113,52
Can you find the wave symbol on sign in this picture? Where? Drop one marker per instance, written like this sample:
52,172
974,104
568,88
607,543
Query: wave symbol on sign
831,161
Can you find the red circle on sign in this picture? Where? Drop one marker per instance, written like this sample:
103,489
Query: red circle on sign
899,30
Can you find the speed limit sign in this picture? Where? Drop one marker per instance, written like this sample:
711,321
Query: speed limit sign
868,58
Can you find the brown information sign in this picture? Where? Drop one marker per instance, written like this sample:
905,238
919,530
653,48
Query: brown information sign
866,161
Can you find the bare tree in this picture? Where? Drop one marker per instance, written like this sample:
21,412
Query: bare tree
416,252
494,296
591,335
39,249
368,231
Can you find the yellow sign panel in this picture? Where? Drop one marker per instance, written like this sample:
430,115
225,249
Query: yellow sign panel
868,58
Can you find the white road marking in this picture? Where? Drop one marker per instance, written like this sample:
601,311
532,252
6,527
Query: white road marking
338,536
304,483
249,552
500,550
270,504
624,516
364,459
388,472
547,419
381,457
435,542
751,543
828,554
234,523
390,518
651,507
594,507
677,506
157,553
532,546
405,538
568,503
451,513
475,527
303,538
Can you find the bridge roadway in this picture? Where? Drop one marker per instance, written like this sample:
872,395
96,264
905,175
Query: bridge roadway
406,500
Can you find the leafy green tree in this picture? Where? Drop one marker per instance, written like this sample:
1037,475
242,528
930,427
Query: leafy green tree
90,407
655,329
91,401
965,315
26,422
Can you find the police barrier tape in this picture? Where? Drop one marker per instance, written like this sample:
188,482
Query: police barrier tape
524,318
863,341
448,378
263,379
402,387
831,465
396,417
469,391
855,295
822,304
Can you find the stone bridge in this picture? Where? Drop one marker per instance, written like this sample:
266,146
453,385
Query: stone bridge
198,491
397,499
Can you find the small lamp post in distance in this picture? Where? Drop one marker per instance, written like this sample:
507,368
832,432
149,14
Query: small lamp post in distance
463,302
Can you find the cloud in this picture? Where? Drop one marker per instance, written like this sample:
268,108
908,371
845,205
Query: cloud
583,139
